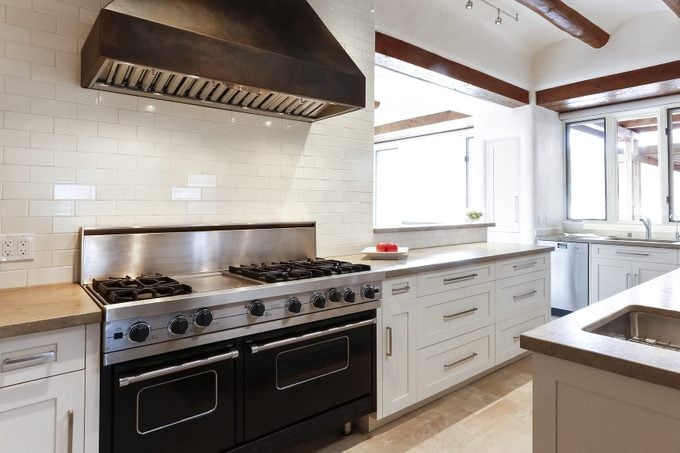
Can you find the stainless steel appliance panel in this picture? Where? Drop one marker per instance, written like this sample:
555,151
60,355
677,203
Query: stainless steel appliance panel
569,275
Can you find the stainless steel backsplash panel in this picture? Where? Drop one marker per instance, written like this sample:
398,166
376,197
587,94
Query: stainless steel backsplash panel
178,250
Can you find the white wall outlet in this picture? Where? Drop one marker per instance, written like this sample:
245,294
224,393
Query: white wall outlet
17,247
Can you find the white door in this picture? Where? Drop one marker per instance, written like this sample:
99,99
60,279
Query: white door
504,192
398,356
643,272
45,415
609,277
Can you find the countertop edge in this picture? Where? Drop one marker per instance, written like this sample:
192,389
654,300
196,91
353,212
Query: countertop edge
45,325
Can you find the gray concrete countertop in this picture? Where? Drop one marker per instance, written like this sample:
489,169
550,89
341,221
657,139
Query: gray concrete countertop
565,338
436,258
608,240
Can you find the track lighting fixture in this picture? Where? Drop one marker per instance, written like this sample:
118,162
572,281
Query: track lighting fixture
500,12
468,5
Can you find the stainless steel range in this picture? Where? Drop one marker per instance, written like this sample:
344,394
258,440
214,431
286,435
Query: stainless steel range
245,319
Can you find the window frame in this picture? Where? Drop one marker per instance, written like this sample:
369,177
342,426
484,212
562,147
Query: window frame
668,131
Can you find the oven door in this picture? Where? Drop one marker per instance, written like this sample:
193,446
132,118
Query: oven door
179,402
295,373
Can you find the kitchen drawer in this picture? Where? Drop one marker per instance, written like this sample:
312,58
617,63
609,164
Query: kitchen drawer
437,282
449,314
451,362
642,254
521,294
38,355
508,332
521,266
400,288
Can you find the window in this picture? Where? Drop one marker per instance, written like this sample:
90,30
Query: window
586,175
422,180
674,162
638,176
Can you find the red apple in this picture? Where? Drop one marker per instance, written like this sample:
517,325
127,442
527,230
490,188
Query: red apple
392,247
381,247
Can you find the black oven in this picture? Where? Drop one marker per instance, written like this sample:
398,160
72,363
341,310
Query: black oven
176,402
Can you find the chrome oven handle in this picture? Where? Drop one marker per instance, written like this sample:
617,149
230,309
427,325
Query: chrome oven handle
254,349
124,381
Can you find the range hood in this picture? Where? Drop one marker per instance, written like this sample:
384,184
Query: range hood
271,57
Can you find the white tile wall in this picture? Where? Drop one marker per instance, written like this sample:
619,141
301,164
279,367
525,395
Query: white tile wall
73,157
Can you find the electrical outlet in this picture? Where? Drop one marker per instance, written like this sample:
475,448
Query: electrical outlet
17,247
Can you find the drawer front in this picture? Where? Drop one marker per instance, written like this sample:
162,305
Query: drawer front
643,254
508,332
400,288
521,294
437,282
521,266
446,315
42,354
451,362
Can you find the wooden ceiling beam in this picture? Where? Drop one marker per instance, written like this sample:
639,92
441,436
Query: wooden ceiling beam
419,121
674,5
398,55
644,83
568,19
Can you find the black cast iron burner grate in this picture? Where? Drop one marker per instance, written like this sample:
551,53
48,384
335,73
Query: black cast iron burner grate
127,289
297,269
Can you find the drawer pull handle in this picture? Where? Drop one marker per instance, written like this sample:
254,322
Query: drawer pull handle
69,445
388,331
448,281
448,366
525,295
515,338
518,267
632,253
402,290
462,313
29,361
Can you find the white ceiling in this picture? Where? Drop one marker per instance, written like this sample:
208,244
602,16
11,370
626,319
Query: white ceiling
506,51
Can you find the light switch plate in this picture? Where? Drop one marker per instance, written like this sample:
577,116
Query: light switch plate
17,247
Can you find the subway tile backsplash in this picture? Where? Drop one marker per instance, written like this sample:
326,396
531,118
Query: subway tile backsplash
73,157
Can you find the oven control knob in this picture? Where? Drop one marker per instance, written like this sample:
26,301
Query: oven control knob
334,295
178,325
370,291
318,300
349,296
256,308
139,332
203,317
293,305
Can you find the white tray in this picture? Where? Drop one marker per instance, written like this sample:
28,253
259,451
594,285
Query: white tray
372,253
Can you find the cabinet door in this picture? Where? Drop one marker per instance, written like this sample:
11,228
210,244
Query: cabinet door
45,415
398,356
643,272
609,277
504,158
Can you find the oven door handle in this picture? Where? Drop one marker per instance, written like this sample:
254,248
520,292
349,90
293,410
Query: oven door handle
254,349
124,381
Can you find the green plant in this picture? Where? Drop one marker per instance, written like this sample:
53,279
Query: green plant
474,214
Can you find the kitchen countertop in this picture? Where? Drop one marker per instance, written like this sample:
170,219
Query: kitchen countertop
565,338
436,258
43,308
594,239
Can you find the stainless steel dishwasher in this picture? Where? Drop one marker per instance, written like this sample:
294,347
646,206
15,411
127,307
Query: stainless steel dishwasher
568,276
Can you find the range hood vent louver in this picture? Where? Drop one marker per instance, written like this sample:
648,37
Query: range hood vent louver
270,57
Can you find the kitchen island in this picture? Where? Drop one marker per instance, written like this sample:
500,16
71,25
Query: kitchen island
598,392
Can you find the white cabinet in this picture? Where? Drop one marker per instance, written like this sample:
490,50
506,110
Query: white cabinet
397,351
616,268
45,415
504,178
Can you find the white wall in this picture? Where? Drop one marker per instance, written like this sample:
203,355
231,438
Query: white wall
72,157
549,170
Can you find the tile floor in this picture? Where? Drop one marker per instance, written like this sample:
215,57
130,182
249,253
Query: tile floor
490,415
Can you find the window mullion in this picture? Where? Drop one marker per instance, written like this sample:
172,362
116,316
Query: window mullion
611,166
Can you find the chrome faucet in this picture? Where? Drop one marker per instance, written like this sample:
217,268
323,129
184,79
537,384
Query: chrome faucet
648,226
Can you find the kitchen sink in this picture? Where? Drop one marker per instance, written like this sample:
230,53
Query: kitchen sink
658,328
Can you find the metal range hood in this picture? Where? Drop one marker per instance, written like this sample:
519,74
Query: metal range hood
271,57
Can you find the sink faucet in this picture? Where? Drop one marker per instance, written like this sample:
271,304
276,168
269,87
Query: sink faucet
648,226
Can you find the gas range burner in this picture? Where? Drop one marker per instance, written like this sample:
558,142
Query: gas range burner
128,289
297,270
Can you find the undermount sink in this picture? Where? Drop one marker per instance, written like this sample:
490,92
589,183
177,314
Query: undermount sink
627,239
660,328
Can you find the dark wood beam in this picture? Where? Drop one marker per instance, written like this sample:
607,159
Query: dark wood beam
568,19
674,5
645,83
399,55
419,121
